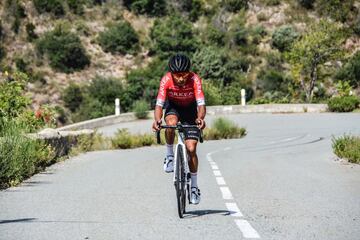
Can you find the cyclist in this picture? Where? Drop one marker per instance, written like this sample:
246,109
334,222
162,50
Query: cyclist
181,95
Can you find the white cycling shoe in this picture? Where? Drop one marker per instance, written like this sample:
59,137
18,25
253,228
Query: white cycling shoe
195,195
169,164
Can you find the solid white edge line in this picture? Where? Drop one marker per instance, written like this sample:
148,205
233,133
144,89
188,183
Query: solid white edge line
220,181
247,230
234,210
226,194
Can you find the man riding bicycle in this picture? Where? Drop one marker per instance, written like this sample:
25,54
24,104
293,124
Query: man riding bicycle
181,95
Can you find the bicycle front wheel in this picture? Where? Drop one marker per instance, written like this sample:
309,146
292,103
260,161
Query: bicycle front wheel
180,180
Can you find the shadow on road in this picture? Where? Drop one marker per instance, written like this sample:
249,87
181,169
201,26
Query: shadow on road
199,213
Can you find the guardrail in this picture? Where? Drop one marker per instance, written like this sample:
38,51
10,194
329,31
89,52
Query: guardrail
211,110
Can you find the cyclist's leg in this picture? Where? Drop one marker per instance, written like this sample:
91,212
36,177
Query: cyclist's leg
193,159
171,118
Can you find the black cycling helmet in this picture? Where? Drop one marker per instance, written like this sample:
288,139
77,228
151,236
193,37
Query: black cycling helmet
179,63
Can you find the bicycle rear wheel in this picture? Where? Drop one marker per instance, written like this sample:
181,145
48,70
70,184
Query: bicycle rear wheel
180,182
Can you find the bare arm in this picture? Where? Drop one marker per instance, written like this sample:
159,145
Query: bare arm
158,112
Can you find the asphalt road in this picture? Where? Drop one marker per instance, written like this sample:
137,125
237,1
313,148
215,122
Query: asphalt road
281,181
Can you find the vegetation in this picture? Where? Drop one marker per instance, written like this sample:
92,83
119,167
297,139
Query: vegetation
141,108
50,6
223,128
321,43
339,10
343,104
347,147
64,50
284,37
351,71
150,7
120,38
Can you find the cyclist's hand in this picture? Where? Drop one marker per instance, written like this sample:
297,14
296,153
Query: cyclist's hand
156,125
201,123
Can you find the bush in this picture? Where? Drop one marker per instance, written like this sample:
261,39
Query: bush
215,36
351,71
308,4
271,80
73,97
235,5
76,6
2,52
212,94
50,6
171,35
12,99
150,7
284,37
119,38
209,63
355,27
124,140
98,98
30,31
64,49
223,128
343,104
347,147
272,2
141,108
20,157
336,9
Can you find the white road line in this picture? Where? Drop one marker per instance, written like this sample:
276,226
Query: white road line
226,194
220,181
247,230
234,210
217,173
214,167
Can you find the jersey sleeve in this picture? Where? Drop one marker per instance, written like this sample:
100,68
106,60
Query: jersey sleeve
161,97
199,94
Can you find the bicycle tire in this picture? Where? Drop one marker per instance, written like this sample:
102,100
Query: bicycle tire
180,182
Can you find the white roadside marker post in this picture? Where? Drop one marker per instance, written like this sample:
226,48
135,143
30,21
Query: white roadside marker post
243,97
117,107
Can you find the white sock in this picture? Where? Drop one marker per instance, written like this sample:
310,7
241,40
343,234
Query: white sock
169,150
193,180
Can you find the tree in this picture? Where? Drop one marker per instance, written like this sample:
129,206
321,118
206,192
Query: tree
320,44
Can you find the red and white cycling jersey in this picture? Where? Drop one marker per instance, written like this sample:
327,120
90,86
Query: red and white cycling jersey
180,95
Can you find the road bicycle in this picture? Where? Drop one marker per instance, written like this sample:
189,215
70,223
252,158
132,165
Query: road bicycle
181,167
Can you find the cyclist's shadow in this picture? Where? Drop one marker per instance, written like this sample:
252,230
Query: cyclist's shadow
199,213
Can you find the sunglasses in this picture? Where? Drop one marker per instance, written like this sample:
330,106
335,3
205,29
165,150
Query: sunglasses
181,74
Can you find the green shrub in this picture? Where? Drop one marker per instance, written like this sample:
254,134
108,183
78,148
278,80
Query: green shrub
150,7
50,6
355,27
141,108
347,147
76,6
306,3
284,37
351,71
336,9
215,36
343,104
124,140
209,63
272,2
193,7
12,98
20,156
212,94
64,49
119,38
171,35
235,5
1,30
98,99
270,80
223,128
30,31
2,52
73,97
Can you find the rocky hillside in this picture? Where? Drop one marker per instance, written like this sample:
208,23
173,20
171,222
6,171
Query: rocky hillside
233,43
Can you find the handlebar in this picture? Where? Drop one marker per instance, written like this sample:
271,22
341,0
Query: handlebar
179,127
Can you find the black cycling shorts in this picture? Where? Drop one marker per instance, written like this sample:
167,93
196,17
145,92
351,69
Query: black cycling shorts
186,115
